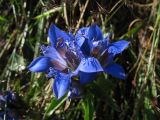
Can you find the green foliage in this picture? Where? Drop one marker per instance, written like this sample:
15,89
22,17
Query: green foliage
88,106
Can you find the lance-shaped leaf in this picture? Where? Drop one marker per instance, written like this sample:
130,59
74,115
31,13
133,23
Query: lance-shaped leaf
40,64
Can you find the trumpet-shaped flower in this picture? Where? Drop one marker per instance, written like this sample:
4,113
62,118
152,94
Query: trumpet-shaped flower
92,44
84,55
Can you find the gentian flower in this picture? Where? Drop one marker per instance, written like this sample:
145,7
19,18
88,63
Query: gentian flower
7,113
58,60
10,96
84,55
93,45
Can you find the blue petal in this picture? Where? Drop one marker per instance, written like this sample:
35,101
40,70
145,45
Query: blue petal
61,85
90,65
52,72
102,45
40,64
79,40
54,33
110,58
10,96
91,35
56,58
115,70
117,47
82,31
76,90
99,34
86,47
87,77
2,98
94,33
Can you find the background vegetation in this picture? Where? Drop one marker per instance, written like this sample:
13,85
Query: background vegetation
23,28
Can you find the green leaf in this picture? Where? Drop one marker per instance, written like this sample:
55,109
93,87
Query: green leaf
2,19
88,107
53,106
133,31
47,13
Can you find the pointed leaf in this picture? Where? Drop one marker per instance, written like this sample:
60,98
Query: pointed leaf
88,107
54,105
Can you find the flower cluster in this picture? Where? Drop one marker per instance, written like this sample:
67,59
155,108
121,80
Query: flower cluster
84,54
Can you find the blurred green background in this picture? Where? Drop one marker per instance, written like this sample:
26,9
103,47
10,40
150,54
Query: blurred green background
23,28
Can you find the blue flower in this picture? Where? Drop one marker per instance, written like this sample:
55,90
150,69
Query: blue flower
91,43
7,98
10,96
84,54
57,60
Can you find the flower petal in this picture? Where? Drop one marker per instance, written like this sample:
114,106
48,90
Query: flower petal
2,98
90,65
101,45
40,64
76,90
82,31
115,70
110,58
99,34
91,34
79,40
117,47
54,33
87,77
94,33
86,47
61,84
56,59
